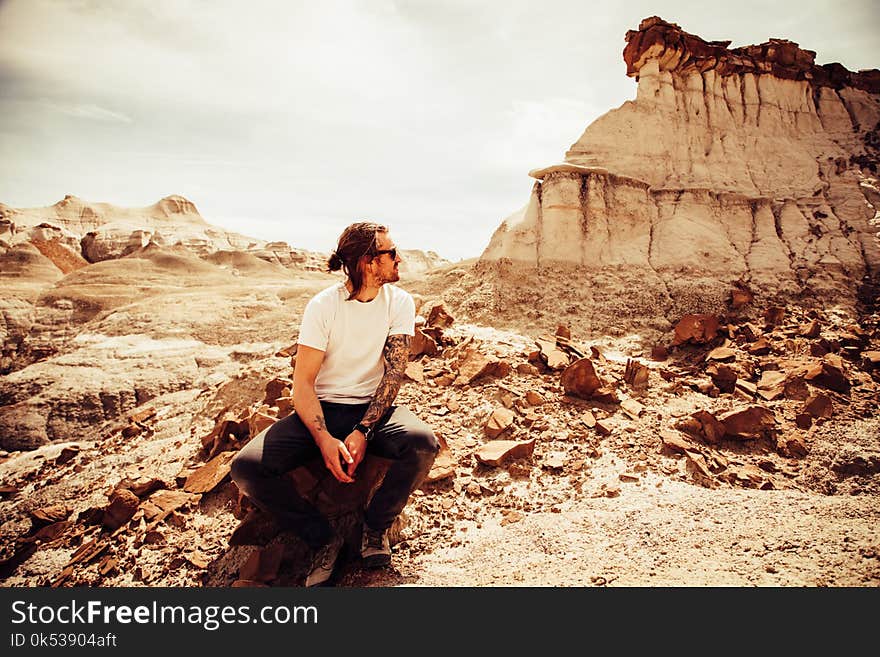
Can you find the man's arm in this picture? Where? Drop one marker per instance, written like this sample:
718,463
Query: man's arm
308,408
396,356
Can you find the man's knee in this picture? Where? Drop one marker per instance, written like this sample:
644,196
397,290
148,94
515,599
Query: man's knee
423,442
244,470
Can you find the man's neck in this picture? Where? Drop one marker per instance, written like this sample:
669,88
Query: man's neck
367,293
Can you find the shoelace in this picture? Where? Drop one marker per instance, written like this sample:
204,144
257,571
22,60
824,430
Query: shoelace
328,558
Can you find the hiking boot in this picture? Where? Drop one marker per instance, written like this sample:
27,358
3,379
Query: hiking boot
323,562
375,548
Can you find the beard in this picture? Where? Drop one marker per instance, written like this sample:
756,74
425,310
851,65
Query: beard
391,277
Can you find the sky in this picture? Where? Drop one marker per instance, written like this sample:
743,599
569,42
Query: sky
288,120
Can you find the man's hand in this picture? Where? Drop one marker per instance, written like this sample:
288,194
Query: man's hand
333,450
357,447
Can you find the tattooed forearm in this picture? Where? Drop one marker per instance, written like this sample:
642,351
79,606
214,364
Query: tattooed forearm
319,422
396,356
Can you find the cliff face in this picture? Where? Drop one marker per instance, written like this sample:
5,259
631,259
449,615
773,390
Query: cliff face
750,164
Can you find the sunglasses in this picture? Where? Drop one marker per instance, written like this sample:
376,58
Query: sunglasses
391,252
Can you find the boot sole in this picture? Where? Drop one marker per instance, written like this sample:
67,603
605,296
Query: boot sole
377,560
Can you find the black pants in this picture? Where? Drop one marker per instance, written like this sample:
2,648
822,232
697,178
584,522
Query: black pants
260,466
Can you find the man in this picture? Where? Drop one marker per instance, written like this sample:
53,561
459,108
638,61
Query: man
352,350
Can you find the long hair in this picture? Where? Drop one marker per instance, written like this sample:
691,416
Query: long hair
356,241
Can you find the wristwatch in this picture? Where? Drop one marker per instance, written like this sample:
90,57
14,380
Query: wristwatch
364,429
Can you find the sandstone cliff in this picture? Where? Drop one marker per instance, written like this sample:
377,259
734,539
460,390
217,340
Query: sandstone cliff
751,165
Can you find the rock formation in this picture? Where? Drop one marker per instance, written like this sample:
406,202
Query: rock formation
751,165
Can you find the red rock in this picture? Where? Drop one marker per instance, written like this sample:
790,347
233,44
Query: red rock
47,515
792,444
415,372
675,441
604,427
751,422
829,373
423,343
580,379
636,374
818,406
723,377
66,455
803,420
721,353
123,504
261,418
774,316
810,330
710,428
499,421
534,398
277,387
438,316
659,353
759,347
444,464
740,296
497,451
207,477
772,384
551,355
697,329
632,408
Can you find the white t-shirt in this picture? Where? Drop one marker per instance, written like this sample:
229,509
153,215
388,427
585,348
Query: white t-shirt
352,334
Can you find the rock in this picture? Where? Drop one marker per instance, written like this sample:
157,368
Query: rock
792,444
772,385
759,347
259,419
122,507
588,419
604,427
438,316
710,428
499,421
721,354
48,515
810,330
740,297
535,398
580,379
774,316
207,477
751,422
803,420
415,372
636,374
550,355
818,406
632,408
676,442
829,373
723,377
659,353
162,503
498,451
423,343
444,464
475,365
696,329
